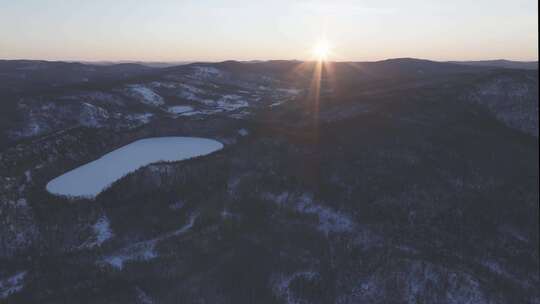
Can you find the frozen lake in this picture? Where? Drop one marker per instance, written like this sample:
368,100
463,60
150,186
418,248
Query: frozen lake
90,179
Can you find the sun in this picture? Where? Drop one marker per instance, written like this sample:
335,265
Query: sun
322,50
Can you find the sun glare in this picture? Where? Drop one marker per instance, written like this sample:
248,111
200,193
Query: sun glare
322,50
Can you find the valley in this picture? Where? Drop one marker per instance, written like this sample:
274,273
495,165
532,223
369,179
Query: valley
356,182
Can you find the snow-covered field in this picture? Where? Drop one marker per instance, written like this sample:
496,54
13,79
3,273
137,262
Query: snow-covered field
90,179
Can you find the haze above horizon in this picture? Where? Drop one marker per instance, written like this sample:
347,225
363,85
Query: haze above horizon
168,30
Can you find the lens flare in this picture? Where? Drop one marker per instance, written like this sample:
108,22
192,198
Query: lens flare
322,50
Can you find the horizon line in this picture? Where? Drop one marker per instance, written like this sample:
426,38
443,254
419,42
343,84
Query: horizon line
121,61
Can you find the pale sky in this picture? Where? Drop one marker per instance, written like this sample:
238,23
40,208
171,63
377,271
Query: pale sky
215,30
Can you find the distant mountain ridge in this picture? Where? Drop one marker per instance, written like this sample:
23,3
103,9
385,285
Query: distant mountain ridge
498,63
502,63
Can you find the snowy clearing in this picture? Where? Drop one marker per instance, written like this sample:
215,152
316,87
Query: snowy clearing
90,179
102,232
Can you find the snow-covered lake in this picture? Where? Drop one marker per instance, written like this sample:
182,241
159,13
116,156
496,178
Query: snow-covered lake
90,179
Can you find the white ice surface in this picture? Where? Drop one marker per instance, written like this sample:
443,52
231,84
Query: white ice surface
90,179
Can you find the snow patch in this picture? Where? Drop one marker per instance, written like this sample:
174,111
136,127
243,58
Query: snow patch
205,72
291,91
32,128
21,203
145,95
281,285
92,116
177,205
12,285
28,176
417,281
329,220
102,232
193,113
143,297
140,118
494,267
231,103
189,92
243,132
226,214
277,103
179,109
226,103
145,250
